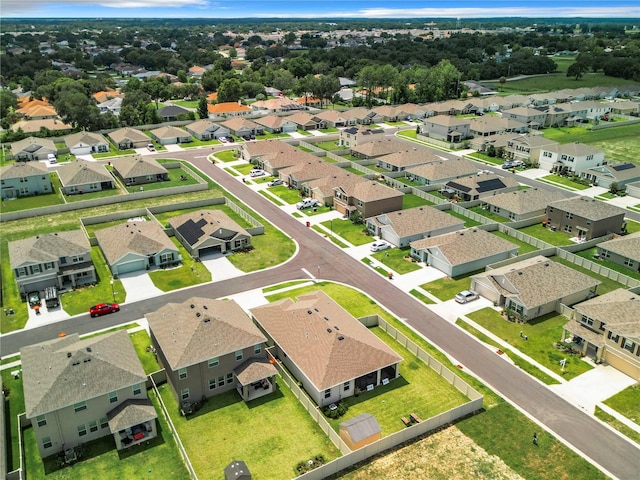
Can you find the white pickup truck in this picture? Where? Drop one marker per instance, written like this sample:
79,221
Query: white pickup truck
307,203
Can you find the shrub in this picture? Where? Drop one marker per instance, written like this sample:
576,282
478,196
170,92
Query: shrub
337,412
307,465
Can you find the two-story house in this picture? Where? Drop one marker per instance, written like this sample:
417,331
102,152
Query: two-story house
527,147
78,390
585,217
59,260
24,179
365,196
127,138
353,136
570,157
208,347
446,128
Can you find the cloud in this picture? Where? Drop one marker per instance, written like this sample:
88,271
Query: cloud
154,3
33,8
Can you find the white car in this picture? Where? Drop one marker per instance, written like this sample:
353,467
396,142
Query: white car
380,245
307,203
466,296
52,158
275,182
256,172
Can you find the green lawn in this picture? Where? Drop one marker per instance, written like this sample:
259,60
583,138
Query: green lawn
411,134
271,434
541,332
354,234
409,200
226,155
354,171
111,192
423,298
447,287
13,405
490,215
286,194
113,152
397,259
483,157
613,422
330,146
627,402
524,247
141,341
189,273
175,180
563,181
269,250
280,286
589,255
556,238
468,222
418,389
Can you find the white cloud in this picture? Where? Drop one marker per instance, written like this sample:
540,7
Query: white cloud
153,3
34,8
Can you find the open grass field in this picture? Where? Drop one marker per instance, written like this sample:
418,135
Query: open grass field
557,81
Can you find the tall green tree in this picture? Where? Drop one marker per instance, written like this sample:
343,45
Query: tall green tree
203,111
230,90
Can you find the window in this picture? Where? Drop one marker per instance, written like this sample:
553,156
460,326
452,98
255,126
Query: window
221,381
238,355
550,209
78,407
104,423
568,215
512,216
613,337
36,269
46,442
628,262
257,349
184,394
567,228
602,325
213,362
49,266
182,373
628,345
93,426
327,393
586,320
346,386
229,377
137,389
212,384
41,420
82,430
113,397
589,157
77,258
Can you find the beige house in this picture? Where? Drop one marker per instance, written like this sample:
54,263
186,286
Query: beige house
32,148
442,171
128,138
534,287
208,347
170,135
273,155
276,124
204,232
377,148
527,148
367,197
242,127
532,117
322,189
490,125
479,186
410,157
521,204
85,143
325,348
311,168
353,136
139,170
306,121
607,328
446,128
205,129
76,391
82,176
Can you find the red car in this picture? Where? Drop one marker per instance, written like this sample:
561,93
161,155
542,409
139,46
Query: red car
103,309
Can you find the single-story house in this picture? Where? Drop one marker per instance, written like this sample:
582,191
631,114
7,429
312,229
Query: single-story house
171,113
624,251
135,246
411,157
205,129
82,176
479,186
227,109
138,170
334,118
534,287
209,231
462,251
306,121
170,135
402,227
322,189
521,204
326,349
490,125
34,127
312,168
585,217
24,179
276,124
242,127
443,171
127,138
619,173
84,143
273,155
33,148
377,148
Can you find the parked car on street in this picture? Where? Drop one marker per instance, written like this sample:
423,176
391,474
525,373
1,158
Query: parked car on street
103,309
466,296
380,245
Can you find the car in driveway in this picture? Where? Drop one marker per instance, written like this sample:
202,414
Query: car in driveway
34,299
256,172
275,182
380,245
466,296
151,148
307,203
512,164
103,309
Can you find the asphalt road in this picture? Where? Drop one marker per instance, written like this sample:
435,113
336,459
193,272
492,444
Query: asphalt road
615,455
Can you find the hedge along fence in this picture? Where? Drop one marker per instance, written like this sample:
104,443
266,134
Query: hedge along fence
349,457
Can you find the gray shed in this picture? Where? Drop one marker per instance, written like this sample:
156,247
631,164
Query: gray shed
237,470
360,431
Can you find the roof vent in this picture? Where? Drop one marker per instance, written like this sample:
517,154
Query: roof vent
329,330
309,312
87,360
316,309
192,306
336,327
207,320
519,273
89,349
546,264
205,307
341,337
326,318
198,314
75,363
68,354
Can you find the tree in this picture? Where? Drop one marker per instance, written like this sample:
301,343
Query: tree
230,90
577,70
203,111
502,81
613,188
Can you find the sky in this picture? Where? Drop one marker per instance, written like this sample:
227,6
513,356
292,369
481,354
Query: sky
318,9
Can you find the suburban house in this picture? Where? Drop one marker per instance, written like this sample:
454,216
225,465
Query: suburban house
570,157
527,148
275,105
367,197
377,148
534,287
127,138
111,105
353,136
78,390
521,204
34,127
407,158
171,113
325,348
462,251
206,130
208,347
405,226
442,171
585,217
84,143
135,246
242,127
607,328
620,174
306,170
489,125
61,260
276,124
532,117
306,121
273,155
209,231
322,189
227,109
82,176
498,140
138,170
170,135
479,186
633,189
363,116
334,118
446,128
33,148
391,113
623,251
24,179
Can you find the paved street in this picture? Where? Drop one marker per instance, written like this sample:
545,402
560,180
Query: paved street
614,454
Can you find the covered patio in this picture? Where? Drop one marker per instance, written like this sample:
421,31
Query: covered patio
378,377
583,339
255,378
132,422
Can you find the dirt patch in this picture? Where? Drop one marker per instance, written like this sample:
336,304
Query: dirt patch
446,454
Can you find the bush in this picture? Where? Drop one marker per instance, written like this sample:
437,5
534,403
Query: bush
337,412
307,465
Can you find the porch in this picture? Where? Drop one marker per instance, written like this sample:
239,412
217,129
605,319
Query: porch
375,378
255,378
132,422
581,338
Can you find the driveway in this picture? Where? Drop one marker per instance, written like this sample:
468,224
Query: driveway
139,286
220,267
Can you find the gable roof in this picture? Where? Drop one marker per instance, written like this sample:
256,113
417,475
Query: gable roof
310,168
618,309
129,166
83,172
524,201
196,227
619,172
447,121
272,121
201,126
482,183
385,146
411,156
131,134
455,167
627,246
328,344
416,220
363,426
587,207
62,372
142,238
169,132
48,247
172,111
199,329
33,145
23,169
369,190
86,138
575,149
227,107
131,412
466,246
237,123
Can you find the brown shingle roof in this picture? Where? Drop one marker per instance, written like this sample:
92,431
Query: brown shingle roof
445,169
128,133
23,169
587,207
619,310
48,247
82,172
214,220
142,238
130,166
416,220
627,246
524,201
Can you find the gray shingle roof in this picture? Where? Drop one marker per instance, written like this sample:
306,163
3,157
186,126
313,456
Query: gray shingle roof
411,156
587,207
575,149
202,126
33,145
200,328
627,246
82,172
619,309
524,201
129,413
130,166
306,331
64,371
208,222
23,169
416,220
48,247
86,138
363,426
253,370
128,133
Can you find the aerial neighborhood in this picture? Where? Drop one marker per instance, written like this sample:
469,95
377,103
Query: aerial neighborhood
235,251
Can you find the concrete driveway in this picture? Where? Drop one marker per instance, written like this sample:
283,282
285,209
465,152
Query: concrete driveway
138,286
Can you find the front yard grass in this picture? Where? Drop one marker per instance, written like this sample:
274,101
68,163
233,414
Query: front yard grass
271,434
556,238
186,275
286,194
541,332
354,234
330,146
627,402
409,200
420,296
269,250
396,260
226,155
447,287
563,182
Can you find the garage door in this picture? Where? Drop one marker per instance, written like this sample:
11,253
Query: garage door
621,364
440,264
132,266
203,252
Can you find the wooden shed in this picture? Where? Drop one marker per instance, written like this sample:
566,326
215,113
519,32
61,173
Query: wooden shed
360,431
237,470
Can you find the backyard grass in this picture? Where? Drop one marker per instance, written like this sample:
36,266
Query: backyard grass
141,342
547,235
589,255
397,259
418,389
524,247
13,406
271,434
175,180
101,460
354,171
354,234
409,200
541,332
447,287
563,182
488,214
607,284
613,422
330,146
468,222
627,402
